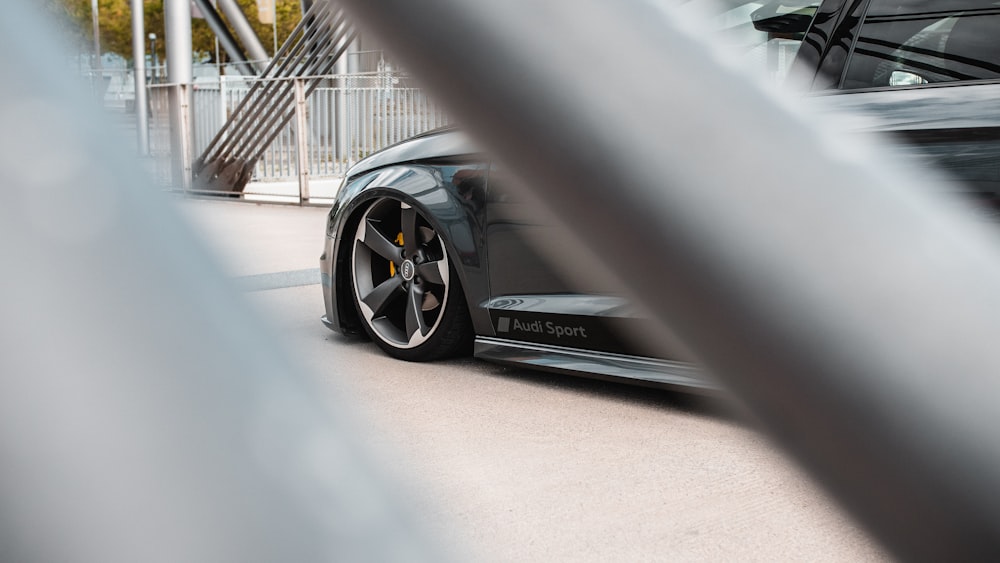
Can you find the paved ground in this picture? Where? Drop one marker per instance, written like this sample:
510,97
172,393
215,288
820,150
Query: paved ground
512,465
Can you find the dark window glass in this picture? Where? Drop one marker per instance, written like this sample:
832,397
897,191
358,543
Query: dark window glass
913,43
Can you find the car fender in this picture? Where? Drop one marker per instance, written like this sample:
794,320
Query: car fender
459,217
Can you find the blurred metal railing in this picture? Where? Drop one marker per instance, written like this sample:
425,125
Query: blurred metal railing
348,117
227,163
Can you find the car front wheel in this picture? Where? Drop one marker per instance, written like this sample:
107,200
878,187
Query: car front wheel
406,291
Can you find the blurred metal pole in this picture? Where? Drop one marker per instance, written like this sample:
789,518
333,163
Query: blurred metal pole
851,304
139,69
238,20
158,419
180,77
224,37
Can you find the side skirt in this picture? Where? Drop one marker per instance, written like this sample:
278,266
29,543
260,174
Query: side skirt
602,365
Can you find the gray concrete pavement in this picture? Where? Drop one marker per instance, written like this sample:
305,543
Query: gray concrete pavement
513,465
254,238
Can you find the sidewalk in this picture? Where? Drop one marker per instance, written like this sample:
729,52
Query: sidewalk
254,239
321,190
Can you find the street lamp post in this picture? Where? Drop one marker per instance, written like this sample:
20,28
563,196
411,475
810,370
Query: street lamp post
95,17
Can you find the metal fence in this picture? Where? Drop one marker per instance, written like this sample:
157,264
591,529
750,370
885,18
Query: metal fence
348,118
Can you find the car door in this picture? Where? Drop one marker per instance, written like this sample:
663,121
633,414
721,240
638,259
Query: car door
536,295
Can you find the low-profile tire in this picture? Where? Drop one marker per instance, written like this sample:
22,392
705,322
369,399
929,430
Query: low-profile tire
406,291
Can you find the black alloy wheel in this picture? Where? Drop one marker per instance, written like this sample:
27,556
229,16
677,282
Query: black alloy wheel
406,291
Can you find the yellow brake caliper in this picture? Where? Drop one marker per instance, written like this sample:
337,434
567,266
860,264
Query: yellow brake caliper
392,267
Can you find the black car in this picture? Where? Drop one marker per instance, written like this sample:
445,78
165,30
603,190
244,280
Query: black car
429,255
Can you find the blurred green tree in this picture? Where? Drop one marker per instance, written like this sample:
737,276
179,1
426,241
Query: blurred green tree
115,18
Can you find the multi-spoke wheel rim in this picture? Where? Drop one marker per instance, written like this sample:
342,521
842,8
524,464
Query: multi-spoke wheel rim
401,274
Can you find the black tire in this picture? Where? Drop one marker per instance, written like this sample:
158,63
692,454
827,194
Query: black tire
405,289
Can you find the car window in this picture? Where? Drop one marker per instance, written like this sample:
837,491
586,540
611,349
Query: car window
905,43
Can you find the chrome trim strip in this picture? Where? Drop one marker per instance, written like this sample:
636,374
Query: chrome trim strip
604,306
586,362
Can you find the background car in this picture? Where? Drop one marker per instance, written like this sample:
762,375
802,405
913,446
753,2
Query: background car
430,255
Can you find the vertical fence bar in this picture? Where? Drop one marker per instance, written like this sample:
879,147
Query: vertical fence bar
181,146
316,145
383,107
223,101
343,122
373,115
355,125
361,141
302,146
366,122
